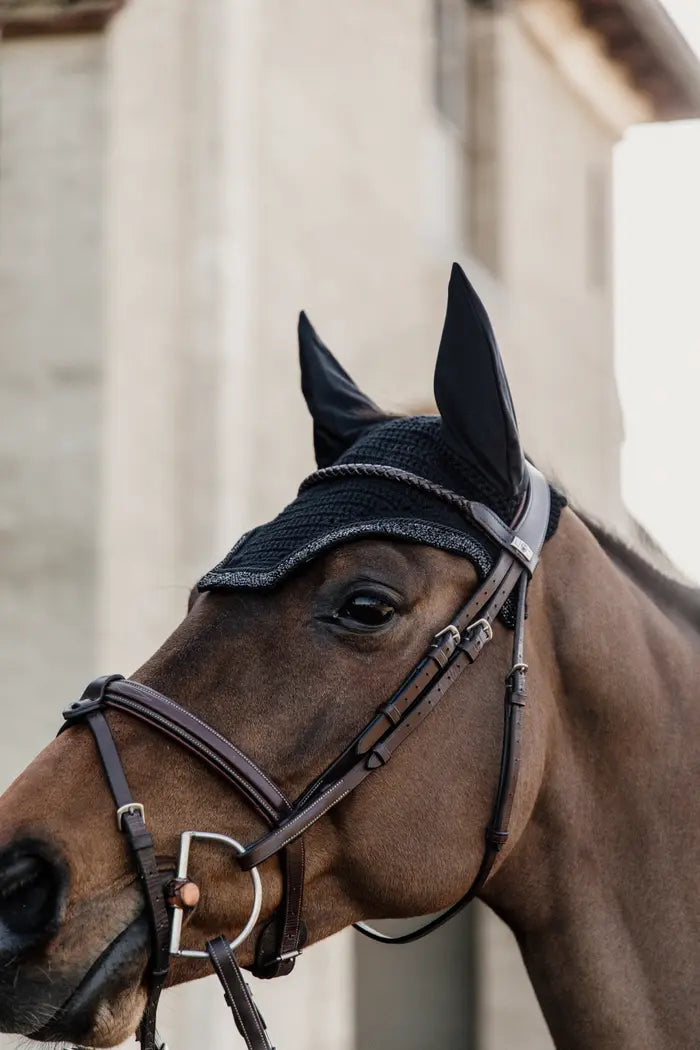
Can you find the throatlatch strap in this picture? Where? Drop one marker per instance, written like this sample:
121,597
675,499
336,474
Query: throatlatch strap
249,1021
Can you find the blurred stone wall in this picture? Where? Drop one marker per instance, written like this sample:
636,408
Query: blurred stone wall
172,192
52,244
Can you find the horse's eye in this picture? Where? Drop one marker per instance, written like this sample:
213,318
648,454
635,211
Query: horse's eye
367,610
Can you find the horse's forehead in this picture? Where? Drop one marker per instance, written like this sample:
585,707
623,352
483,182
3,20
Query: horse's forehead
412,567
392,557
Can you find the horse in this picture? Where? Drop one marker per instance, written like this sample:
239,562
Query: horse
413,565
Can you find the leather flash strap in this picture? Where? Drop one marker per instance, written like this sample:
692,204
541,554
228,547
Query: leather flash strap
249,1021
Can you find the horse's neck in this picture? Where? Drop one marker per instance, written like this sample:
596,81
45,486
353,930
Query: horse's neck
602,890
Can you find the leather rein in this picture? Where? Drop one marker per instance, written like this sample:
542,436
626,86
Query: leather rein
453,649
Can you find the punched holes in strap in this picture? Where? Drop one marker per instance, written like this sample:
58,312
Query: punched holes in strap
434,663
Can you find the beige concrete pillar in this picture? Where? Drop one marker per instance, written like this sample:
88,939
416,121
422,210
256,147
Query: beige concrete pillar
52,124
52,120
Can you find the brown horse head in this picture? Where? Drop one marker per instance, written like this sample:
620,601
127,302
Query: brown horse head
287,650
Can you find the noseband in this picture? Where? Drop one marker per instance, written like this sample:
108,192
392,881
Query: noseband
281,939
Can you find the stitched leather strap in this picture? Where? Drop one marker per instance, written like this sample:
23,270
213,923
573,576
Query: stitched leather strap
533,529
210,746
249,1020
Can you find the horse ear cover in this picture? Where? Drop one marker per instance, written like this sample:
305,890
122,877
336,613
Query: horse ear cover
472,393
341,413
477,428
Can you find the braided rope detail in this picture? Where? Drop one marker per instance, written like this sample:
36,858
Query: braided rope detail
386,473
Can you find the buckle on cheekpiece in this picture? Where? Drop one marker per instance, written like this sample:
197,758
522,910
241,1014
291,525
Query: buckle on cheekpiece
130,807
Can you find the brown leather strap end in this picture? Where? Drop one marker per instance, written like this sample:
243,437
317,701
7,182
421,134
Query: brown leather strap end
249,1020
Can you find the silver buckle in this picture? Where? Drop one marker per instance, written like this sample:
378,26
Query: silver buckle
450,629
521,668
131,807
485,625
176,928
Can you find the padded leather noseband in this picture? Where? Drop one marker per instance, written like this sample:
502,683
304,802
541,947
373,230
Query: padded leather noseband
453,649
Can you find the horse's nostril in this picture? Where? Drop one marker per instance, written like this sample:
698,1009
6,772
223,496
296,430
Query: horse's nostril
31,891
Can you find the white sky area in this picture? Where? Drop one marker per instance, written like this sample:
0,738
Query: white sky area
657,231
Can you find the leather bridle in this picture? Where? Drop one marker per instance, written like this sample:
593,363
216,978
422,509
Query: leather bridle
453,649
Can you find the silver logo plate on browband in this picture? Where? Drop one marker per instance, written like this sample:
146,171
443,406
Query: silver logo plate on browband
524,548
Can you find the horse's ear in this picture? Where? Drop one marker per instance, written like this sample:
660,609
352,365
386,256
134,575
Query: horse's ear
472,393
340,411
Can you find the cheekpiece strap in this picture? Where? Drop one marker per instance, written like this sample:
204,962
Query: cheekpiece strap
131,822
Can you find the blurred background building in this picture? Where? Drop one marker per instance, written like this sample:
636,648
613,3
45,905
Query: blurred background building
177,179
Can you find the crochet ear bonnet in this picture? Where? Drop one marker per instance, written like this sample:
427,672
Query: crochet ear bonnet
397,478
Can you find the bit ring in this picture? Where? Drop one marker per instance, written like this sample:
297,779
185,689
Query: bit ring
176,929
